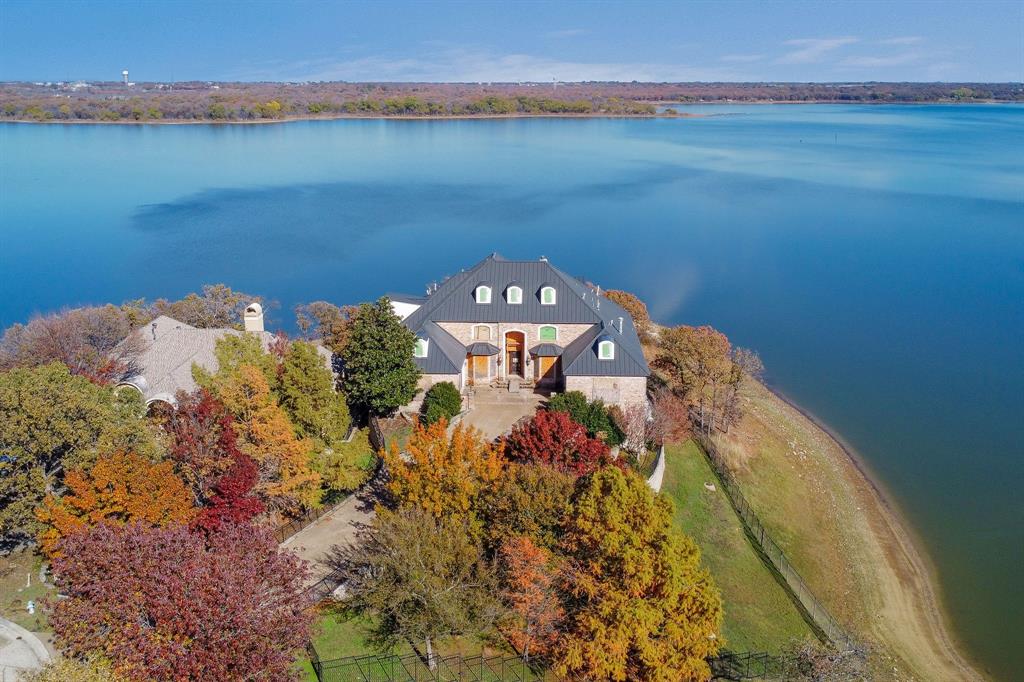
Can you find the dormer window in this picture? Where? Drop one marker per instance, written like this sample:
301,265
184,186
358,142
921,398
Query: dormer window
483,294
606,350
547,296
514,295
420,349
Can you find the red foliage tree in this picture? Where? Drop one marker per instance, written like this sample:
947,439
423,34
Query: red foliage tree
555,440
204,445
528,574
168,604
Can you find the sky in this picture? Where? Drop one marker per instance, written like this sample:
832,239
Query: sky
420,40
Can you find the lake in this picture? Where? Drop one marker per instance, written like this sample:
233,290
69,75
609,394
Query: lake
873,255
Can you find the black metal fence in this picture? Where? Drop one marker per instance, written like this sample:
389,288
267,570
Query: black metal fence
816,615
412,668
754,666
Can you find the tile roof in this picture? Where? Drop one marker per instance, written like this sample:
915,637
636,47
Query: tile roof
170,349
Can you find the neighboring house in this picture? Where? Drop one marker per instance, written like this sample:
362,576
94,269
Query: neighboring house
505,320
172,347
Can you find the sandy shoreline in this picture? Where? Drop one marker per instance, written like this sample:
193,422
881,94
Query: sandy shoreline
912,620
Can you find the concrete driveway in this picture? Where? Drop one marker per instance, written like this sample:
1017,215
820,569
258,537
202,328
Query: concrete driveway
20,651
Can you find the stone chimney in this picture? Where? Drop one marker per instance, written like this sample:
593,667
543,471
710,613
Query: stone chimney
253,317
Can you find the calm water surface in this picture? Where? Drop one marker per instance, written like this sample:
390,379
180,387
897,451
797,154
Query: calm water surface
874,255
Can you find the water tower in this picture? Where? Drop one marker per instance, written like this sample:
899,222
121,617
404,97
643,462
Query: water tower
124,76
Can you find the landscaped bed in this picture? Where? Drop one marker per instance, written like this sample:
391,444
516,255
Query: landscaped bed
19,584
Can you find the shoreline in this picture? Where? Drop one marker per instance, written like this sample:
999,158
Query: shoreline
483,117
923,573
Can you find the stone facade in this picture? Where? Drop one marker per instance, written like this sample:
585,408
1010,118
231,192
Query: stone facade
466,333
621,391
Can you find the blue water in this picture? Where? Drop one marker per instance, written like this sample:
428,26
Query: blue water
874,255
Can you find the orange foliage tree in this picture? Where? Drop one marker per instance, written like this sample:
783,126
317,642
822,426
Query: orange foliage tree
120,488
535,610
287,481
443,475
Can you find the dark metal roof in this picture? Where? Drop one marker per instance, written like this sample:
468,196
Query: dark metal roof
445,354
576,303
547,350
482,348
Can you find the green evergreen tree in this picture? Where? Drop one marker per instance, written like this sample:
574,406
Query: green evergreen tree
379,372
307,394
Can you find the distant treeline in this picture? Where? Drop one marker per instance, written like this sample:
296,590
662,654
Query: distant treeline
201,101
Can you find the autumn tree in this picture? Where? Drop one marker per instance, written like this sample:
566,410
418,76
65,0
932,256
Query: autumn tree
670,417
527,500
698,360
52,422
639,606
203,443
555,440
636,308
379,372
92,669
286,482
327,322
444,476
168,604
217,307
119,488
234,351
97,343
423,579
528,573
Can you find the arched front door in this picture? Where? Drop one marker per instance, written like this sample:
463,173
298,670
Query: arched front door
515,354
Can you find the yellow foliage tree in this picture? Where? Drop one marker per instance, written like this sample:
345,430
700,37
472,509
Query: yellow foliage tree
120,488
287,481
641,607
442,475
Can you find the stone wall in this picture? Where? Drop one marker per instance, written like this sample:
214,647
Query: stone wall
621,391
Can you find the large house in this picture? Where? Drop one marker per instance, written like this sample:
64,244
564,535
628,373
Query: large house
525,322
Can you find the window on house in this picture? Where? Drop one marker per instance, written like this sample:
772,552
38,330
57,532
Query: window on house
482,333
420,349
606,350
514,295
548,333
483,294
547,296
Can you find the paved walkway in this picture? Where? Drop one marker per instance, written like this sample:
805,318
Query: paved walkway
494,411
20,651
318,543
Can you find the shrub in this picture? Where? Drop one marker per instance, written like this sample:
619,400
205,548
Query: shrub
594,416
441,401
553,439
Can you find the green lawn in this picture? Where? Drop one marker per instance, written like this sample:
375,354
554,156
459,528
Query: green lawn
19,583
339,634
759,615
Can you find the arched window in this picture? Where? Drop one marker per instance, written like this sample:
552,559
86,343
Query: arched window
514,295
420,349
548,333
483,294
547,296
481,332
606,350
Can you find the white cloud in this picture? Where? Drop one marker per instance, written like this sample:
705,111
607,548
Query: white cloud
811,50
741,58
472,66
882,61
